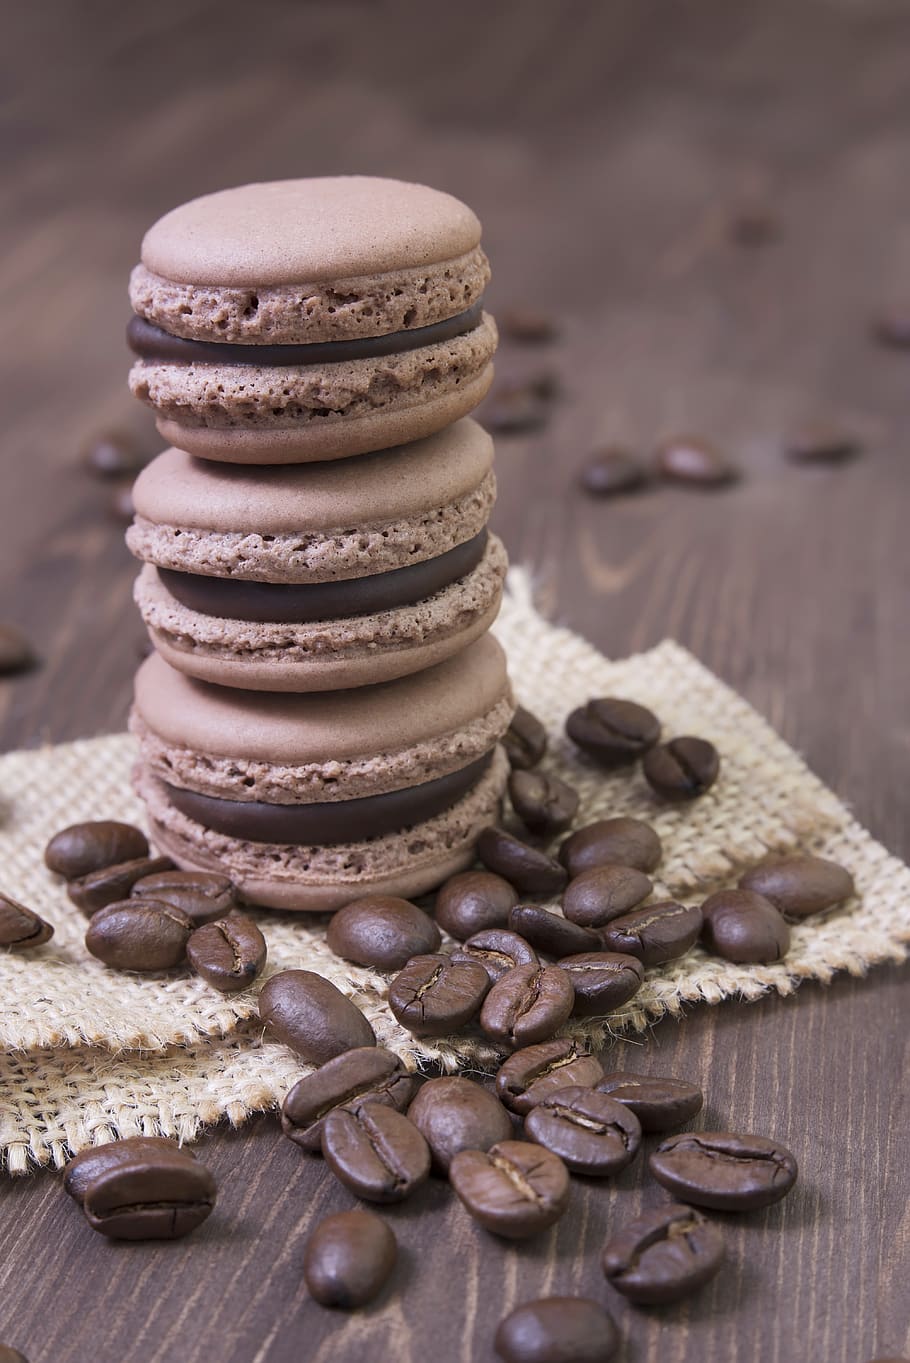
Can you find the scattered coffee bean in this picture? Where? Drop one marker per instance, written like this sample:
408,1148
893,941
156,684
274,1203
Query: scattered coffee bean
456,1114
742,926
527,1005
16,653
435,995
382,931
20,927
525,740
375,1151
595,897
139,934
144,1188
85,847
722,1170
527,868
694,463
516,409
682,769
109,884
589,1132
203,896
497,950
473,902
311,1016
614,732
97,1159
661,932
663,1255
801,885
893,329
526,326
602,980
367,1074
348,1259
557,1330
606,473
551,933
514,1189
542,802
820,444
611,842
659,1104
228,954
113,454
532,1074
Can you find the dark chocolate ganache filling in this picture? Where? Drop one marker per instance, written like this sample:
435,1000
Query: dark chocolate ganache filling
153,343
331,821
231,598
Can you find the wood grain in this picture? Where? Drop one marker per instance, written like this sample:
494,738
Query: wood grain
606,148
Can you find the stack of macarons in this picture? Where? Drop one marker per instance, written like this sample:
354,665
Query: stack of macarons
323,714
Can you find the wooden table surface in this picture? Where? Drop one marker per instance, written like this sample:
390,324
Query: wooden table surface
607,148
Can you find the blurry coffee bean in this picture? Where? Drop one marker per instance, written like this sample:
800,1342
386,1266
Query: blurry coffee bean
365,1074
375,1151
143,1188
745,927
614,732
659,1104
694,463
497,950
527,1005
472,902
663,1255
348,1259
456,1114
820,444
606,473
557,1330
590,1132
229,954
20,927
85,847
203,896
602,980
551,933
517,408
542,802
526,326
594,897
661,932
532,1074
525,740
113,454
892,329
682,769
611,842
514,1189
139,934
435,995
528,869
382,931
109,884
800,885
311,1016
722,1170
16,653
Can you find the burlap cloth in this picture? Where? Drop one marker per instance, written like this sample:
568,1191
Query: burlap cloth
92,1053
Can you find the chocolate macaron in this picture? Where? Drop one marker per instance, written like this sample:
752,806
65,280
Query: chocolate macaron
310,801
311,319
312,577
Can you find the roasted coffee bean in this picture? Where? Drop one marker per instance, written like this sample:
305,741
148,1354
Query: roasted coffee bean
663,1255
722,1170
820,444
375,1151
85,847
694,462
527,326
542,802
497,950
682,769
590,1132
113,454
311,1016
602,980
532,1074
348,1259
365,1074
472,902
661,932
436,995
525,740
109,884
144,1188
203,896
20,927
517,408
228,954
800,885
514,1189
614,732
139,934
606,473
382,931
527,1005
659,1104
743,926
16,653
611,842
456,1114
557,1330
528,869
98,1159
551,933
595,897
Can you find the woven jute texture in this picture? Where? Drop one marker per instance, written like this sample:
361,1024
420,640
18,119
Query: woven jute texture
93,1054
